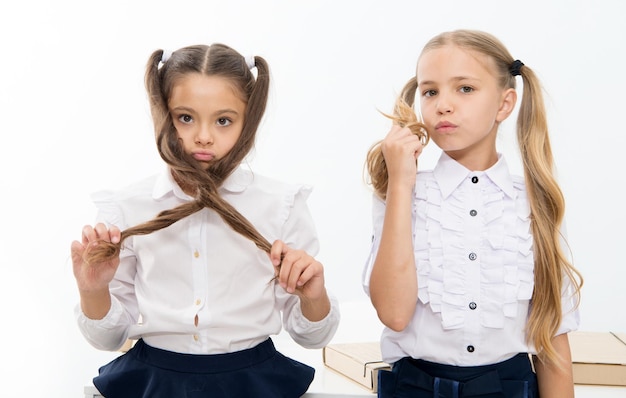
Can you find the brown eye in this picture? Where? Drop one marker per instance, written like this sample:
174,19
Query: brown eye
223,121
185,119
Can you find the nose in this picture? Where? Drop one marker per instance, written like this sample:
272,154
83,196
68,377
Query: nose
204,136
444,104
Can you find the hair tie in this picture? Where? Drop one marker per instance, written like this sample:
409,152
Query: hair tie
250,61
515,67
166,55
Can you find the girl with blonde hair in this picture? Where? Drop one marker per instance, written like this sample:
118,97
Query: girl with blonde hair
469,271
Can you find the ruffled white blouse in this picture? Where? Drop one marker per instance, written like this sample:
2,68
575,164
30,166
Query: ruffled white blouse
200,269
474,257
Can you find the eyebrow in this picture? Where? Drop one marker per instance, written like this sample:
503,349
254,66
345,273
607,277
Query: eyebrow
191,110
455,79
221,111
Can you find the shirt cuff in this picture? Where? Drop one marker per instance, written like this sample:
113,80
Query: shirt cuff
108,333
315,334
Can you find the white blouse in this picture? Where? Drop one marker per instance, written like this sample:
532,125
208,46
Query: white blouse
200,267
474,257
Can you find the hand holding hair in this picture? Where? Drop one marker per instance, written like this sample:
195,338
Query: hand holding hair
403,116
96,274
299,273
93,277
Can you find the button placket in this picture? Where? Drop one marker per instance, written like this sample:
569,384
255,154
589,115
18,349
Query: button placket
473,244
196,236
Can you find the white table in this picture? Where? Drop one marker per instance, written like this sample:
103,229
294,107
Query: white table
360,324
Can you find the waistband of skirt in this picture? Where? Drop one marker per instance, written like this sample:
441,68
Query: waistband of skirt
194,363
519,363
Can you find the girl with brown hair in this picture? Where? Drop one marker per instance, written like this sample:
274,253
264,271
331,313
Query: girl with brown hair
176,261
469,270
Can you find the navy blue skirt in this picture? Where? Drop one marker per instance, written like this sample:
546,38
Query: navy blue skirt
415,378
148,372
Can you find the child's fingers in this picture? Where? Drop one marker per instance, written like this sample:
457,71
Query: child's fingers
295,273
288,273
88,234
100,232
299,272
115,234
77,250
276,252
308,273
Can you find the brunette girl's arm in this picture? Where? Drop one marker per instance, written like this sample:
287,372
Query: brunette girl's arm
93,279
301,274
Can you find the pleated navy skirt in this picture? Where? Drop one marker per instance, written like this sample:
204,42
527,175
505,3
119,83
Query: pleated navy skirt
414,378
148,372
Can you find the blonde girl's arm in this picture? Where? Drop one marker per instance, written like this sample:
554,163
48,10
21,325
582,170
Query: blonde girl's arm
556,381
393,281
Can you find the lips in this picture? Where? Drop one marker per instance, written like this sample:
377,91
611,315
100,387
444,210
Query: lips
203,156
445,126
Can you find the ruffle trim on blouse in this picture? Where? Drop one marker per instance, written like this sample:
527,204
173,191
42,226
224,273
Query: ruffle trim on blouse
108,209
285,194
506,274
290,199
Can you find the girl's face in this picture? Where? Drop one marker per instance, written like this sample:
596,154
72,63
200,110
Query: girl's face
208,115
462,104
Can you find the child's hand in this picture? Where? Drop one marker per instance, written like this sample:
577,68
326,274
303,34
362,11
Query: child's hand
298,273
401,148
94,277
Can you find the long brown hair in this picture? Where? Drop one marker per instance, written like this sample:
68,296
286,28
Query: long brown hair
547,204
160,77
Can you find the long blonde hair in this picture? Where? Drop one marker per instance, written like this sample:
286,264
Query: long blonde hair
547,204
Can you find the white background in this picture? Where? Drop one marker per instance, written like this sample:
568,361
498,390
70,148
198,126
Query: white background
74,119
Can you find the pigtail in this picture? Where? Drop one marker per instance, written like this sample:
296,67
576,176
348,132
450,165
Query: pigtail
257,91
404,116
152,82
547,211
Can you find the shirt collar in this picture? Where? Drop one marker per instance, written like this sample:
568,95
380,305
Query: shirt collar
449,174
165,184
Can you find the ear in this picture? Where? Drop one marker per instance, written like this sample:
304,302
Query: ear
507,104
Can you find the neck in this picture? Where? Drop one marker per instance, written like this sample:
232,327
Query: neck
474,162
